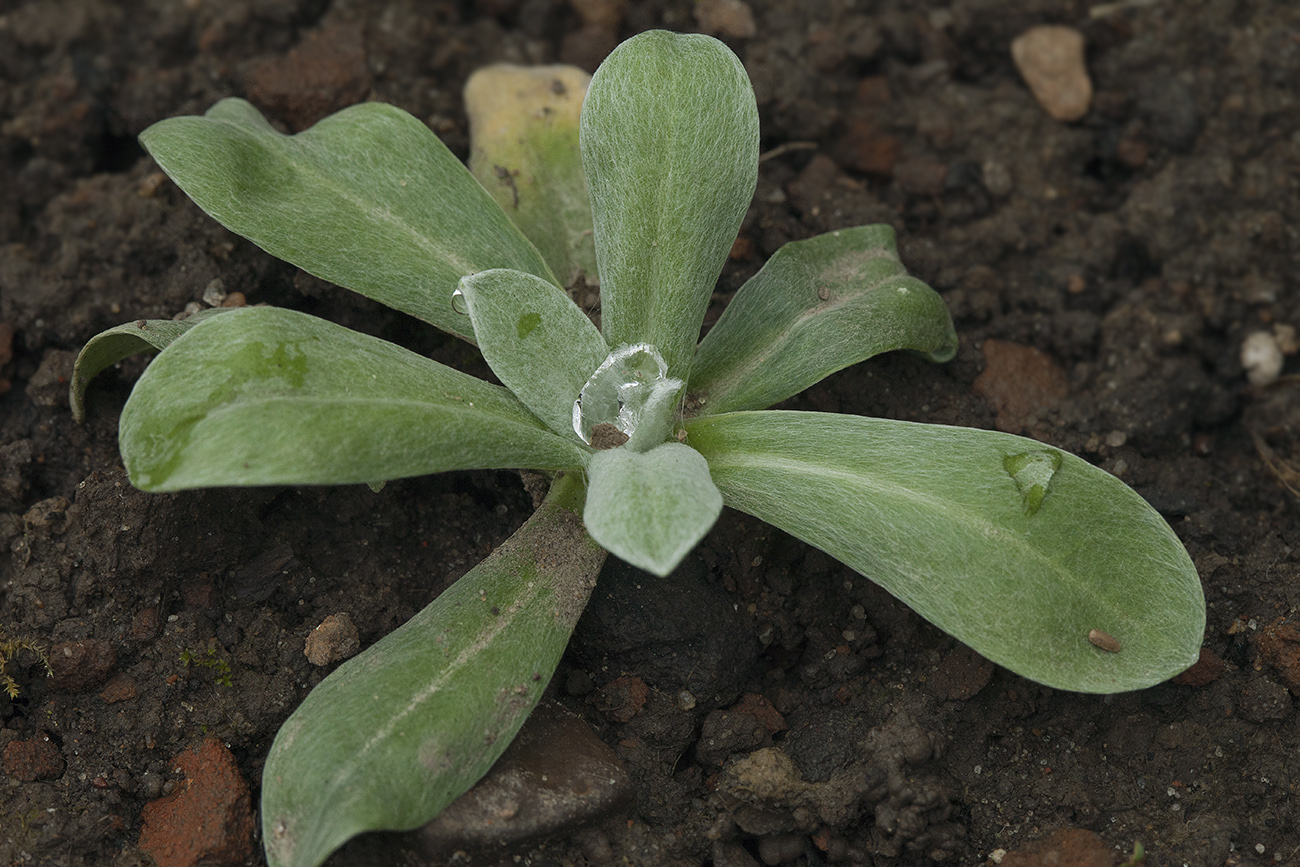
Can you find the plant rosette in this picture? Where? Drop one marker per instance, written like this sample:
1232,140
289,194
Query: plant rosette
1033,557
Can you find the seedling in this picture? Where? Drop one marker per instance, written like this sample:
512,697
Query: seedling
1016,548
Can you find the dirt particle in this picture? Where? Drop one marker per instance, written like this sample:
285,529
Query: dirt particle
1020,383
1050,59
333,640
556,774
732,19
1073,846
36,758
81,665
209,820
620,699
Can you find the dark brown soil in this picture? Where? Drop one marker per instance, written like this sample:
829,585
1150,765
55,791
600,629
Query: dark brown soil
1134,250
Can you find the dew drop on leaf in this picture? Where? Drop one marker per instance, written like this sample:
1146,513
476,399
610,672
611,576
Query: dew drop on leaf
1032,473
458,302
630,379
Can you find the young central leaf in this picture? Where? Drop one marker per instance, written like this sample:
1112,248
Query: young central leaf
629,388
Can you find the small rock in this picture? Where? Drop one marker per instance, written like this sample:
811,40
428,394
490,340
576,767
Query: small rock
732,19
1262,358
81,665
961,674
325,72
1050,59
555,776
144,625
336,638
1066,847
601,13
621,698
1279,645
120,688
1207,669
209,820
762,710
36,758
1019,382
49,384
726,732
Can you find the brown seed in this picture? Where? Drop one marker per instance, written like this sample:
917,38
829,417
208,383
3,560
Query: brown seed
1104,640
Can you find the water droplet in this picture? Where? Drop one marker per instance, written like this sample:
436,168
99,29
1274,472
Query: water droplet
1032,472
458,302
629,386
527,323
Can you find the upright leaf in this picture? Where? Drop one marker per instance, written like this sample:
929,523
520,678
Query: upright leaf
109,347
398,732
816,307
368,198
537,341
523,135
265,396
650,508
670,147
1015,548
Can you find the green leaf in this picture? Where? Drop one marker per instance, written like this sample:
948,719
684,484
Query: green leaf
537,341
816,307
979,535
109,347
368,198
264,396
523,133
670,147
650,508
398,732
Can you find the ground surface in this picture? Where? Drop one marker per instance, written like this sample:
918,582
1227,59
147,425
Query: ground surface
1133,251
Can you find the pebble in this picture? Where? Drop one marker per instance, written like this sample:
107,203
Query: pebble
35,758
1050,59
732,19
81,665
1074,846
1262,358
1020,383
556,776
208,820
335,639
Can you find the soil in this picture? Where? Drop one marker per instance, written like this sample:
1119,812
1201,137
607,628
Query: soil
1103,275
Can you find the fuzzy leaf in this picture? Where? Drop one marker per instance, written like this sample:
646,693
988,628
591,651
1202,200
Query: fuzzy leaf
1013,547
650,508
109,347
816,307
523,133
537,341
368,198
264,396
670,147
398,732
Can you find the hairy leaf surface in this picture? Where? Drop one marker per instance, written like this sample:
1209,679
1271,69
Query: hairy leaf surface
816,307
1013,547
263,396
368,198
537,341
109,347
398,732
650,508
670,148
